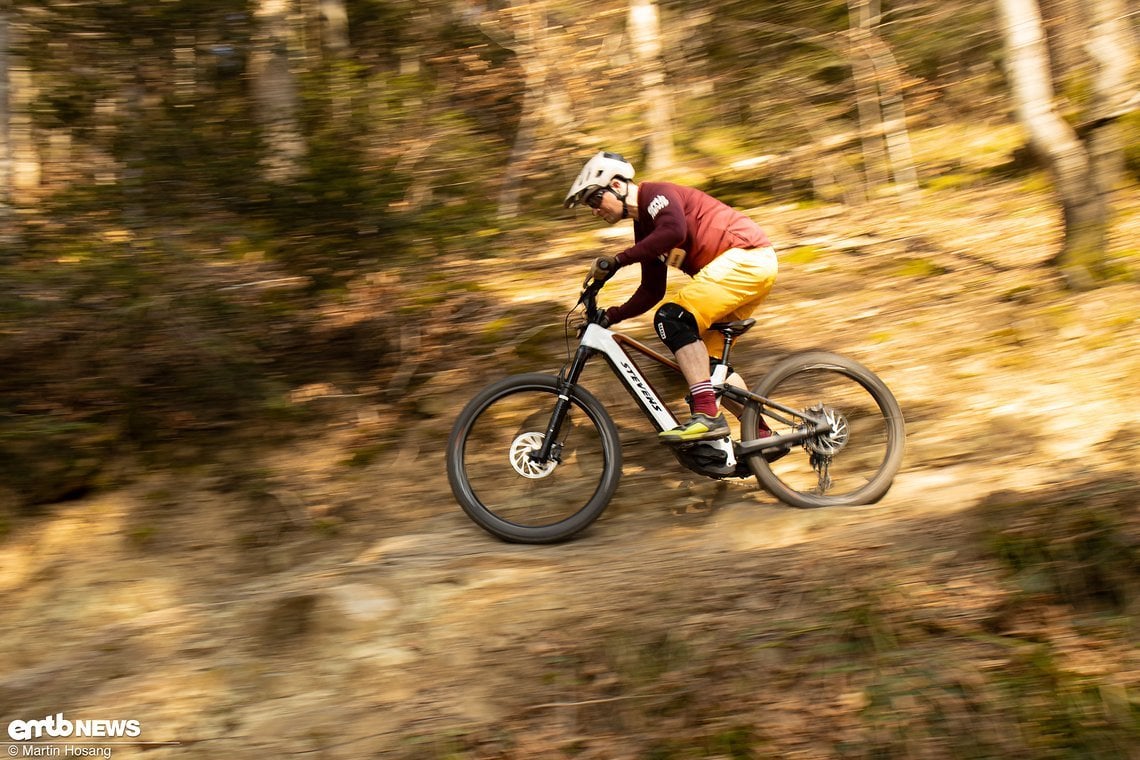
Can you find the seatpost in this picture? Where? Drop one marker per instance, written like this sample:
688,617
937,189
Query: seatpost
727,347
723,360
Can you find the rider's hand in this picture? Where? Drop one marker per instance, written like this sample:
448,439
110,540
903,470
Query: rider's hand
602,269
601,319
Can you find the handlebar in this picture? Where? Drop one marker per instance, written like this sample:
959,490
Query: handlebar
589,297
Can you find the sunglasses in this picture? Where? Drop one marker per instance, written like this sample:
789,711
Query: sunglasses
594,199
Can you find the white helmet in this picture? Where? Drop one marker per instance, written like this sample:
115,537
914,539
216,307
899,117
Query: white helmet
599,171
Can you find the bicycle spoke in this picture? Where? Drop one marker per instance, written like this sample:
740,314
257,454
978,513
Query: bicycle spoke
509,482
854,460
814,468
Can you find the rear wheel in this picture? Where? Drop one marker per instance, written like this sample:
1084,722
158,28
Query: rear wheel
504,488
856,461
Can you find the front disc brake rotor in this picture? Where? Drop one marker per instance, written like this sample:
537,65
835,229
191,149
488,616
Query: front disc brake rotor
521,460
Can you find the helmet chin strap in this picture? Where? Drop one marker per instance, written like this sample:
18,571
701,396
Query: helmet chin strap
624,206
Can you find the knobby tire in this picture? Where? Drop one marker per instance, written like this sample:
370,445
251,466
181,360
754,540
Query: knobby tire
806,369
486,436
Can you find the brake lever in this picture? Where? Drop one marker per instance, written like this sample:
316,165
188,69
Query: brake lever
588,291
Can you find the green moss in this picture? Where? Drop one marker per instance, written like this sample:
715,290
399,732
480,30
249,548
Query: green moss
1022,294
1038,182
495,331
1080,549
956,181
141,536
1130,130
804,254
918,267
722,143
368,454
439,291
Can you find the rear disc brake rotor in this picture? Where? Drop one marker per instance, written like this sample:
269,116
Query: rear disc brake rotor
832,442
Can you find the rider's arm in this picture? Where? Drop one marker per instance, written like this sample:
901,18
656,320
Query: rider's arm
666,214
654,274
659,207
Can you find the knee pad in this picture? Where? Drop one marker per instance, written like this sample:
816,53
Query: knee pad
676,327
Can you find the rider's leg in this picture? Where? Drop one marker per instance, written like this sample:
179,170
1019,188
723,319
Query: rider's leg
694,361
732,287
679,330
735,408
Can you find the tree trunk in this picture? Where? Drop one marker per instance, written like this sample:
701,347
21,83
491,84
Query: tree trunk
866,95
342,85
530,48
534,80
24,168
887,74
275,92
5,143
1112,48
334,27
1084,208
657,103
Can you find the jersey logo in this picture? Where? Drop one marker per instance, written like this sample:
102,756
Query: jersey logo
656,205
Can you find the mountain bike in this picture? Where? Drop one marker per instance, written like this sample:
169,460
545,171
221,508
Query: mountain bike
536,458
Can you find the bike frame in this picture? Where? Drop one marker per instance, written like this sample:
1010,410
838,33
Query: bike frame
599,340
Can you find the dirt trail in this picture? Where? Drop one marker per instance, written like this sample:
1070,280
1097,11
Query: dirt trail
318,602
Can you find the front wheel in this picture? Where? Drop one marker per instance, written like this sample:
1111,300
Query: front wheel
504,488
856,461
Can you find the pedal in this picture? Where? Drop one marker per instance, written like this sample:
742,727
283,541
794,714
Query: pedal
709,458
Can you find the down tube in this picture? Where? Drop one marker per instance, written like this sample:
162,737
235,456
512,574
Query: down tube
601,340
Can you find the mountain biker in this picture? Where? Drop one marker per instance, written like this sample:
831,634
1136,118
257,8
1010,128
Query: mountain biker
729,257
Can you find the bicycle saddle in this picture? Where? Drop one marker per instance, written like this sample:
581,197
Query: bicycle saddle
735,329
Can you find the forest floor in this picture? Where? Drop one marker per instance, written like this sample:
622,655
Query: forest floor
329,599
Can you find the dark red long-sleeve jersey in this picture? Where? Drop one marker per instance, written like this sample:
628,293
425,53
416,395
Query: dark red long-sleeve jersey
678,217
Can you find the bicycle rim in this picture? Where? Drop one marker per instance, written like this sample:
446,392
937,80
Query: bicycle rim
505,490
853,464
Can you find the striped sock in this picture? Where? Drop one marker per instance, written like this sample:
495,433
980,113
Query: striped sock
704,400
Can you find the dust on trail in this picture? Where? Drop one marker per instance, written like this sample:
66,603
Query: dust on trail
314,601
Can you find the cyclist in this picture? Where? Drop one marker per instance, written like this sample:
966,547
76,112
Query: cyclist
729,257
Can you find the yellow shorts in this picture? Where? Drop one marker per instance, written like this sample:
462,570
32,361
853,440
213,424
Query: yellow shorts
729,288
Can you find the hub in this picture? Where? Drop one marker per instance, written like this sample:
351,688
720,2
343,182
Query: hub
832,442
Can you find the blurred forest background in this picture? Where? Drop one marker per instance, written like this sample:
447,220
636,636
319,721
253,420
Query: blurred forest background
186,187
255,254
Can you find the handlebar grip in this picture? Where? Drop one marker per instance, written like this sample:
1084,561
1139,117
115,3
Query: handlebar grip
605,265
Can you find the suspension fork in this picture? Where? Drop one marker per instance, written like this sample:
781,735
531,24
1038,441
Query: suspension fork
566,382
